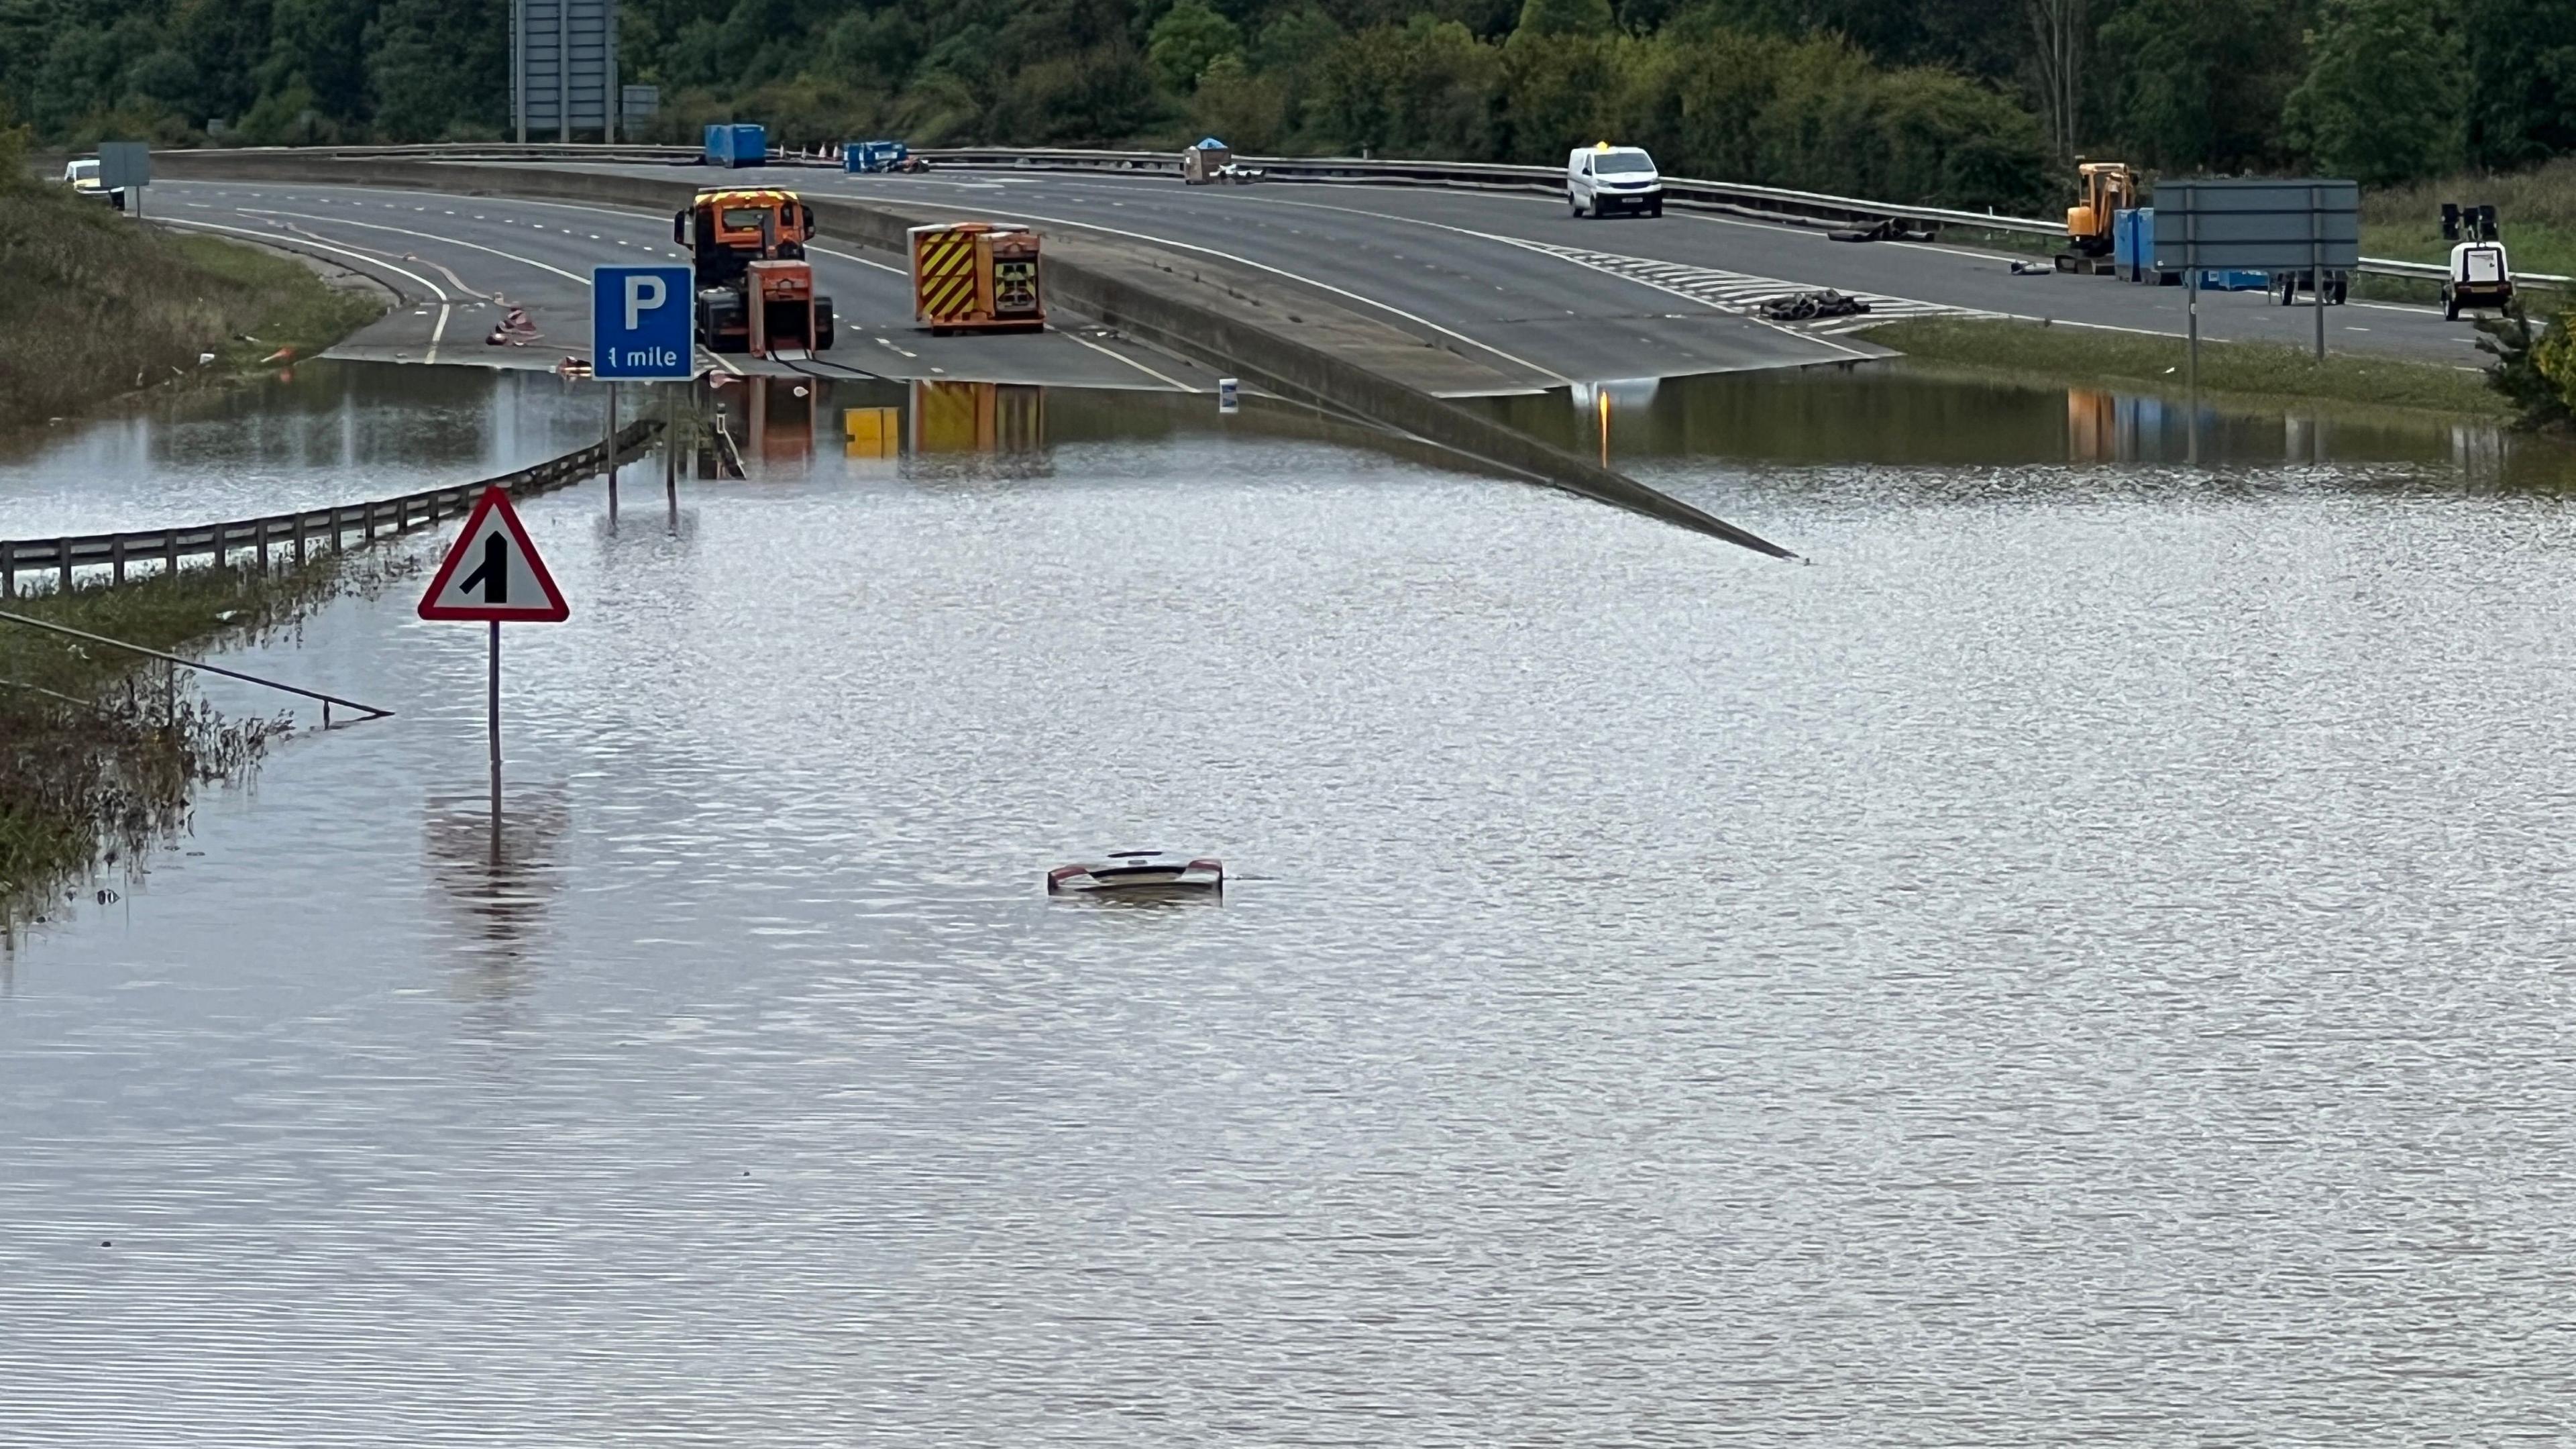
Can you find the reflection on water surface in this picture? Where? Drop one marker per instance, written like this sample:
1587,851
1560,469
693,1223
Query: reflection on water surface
2080,961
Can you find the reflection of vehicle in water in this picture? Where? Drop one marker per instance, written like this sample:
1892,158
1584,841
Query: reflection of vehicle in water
977,417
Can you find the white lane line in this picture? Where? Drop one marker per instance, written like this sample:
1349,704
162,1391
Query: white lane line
1131,362
272,238
427,236
862,261
1579,257
1387,307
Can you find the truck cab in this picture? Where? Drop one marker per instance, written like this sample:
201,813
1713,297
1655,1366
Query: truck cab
747,239
1607,178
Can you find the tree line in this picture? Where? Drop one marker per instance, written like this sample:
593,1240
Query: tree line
1961,102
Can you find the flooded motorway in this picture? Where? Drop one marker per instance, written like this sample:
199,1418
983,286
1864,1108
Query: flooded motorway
2084,960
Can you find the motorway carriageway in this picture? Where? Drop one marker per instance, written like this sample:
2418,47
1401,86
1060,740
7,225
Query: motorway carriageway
1507,280
1595,299
459,263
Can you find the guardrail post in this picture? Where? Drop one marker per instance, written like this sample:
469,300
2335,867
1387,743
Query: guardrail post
299,538
116,556
260,546
63,558
170,553
8,569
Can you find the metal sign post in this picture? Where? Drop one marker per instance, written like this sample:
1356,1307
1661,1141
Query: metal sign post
2317,266
641,330
493,574
608,455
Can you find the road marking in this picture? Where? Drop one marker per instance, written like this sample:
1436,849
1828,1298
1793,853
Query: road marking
1738,294
1131,362
428,236
1311,282
272,239
862,261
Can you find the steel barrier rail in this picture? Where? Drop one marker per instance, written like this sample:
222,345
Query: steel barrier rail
1770,203
296,533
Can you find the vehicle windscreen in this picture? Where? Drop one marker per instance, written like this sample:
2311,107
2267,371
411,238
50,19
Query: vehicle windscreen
84,170
1623,163
743,218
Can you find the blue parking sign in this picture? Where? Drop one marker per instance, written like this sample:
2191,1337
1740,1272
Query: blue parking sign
640,324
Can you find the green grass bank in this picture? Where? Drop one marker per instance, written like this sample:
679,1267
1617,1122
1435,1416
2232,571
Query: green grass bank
100,748
94,304
2252,370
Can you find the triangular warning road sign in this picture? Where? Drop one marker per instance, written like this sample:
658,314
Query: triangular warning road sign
493,572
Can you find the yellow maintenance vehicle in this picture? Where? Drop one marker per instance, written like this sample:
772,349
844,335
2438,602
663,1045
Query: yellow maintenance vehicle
2109,188
755,289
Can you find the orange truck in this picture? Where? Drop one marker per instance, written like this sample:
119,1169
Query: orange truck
975,276
755,289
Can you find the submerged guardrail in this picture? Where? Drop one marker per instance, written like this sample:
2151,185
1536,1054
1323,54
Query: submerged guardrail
297,533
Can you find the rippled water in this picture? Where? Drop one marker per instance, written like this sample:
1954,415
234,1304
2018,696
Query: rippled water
2082,961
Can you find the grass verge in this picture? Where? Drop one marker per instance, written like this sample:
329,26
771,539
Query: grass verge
97,304
100,749
2253,370
2535,209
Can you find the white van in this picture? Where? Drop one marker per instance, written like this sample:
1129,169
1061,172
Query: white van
82,176
1610,178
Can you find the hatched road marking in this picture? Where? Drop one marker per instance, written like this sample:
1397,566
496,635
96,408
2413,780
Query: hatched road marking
1741,293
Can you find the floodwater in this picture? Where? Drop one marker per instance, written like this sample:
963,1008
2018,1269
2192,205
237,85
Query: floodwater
312,435
2083,961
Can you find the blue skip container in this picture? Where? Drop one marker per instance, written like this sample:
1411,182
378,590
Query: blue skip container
737,144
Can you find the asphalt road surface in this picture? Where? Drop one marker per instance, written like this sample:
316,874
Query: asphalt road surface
1517,271
460,264
1543,297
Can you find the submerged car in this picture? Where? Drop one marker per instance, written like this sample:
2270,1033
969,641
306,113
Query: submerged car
1138,870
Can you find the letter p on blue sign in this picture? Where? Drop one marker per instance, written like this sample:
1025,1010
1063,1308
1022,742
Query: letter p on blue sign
641,327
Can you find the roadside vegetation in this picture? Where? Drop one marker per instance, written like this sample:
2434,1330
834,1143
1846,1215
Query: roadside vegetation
1961,102
96,304
2252,370
100,749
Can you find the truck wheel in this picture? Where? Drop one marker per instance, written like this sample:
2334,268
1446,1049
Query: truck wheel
1571,205
2450,306
1655,207
2342,287
822,324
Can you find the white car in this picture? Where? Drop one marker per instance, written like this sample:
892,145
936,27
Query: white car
1136,870
1610,178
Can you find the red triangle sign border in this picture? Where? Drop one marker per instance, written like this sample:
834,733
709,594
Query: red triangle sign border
553,611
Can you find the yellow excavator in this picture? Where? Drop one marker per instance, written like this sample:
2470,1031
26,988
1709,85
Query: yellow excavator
2110,187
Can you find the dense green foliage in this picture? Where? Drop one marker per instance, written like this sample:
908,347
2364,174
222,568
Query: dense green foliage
1962,101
